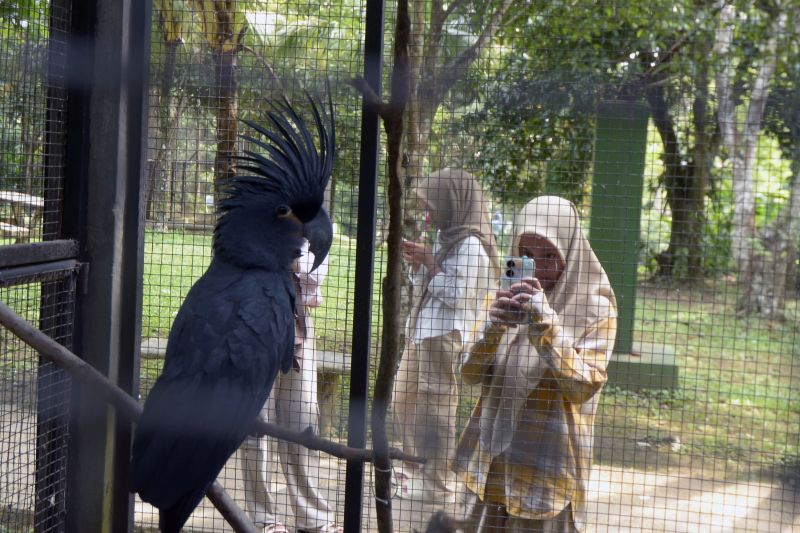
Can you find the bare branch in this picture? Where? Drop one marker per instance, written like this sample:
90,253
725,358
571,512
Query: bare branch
272,76
371,100
312,441
400,71
392,283
680,43
231,512
127,406
453,71
758,96
131,409
438,17
725,105
452,6
468,56
675,48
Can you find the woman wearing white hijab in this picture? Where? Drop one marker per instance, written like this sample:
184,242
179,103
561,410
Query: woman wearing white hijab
526,453
293,405
452,282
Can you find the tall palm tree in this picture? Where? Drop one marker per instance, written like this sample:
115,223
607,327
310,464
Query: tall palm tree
224,26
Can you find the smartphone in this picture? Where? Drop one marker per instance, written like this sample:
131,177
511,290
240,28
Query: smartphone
515,269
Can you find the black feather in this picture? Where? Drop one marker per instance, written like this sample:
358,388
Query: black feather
232,335
292,162
235,330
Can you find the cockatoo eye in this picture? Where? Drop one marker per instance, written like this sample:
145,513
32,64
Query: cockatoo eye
283,210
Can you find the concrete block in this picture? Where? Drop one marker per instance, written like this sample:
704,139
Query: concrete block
647,366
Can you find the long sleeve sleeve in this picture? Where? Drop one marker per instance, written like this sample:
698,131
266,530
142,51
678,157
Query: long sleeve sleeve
459,279
478,361
455,296
580,368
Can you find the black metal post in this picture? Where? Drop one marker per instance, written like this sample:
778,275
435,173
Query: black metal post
106,83
365,259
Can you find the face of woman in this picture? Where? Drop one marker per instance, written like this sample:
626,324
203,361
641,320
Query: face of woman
429,214
549,265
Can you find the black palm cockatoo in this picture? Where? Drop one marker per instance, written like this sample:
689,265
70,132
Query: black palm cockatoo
235,329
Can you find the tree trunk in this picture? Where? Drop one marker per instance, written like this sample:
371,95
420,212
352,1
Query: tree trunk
685,176
224,27
794,227
227,108
167,118
417,90
780,247
702,155
681,256
746,248
743,236
683,253
391,114
418,129
430,80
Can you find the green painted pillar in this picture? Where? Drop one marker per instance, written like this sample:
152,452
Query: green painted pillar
619,151
619,159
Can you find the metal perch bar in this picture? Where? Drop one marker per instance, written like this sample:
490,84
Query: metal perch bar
129,407
125,404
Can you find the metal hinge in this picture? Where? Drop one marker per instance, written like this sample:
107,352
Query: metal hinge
83,278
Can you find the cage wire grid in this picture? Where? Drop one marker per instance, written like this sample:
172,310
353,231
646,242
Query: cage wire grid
691,424
35,406
659,464
33,59
35,393
270,65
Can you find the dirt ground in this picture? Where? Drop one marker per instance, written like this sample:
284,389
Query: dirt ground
620,500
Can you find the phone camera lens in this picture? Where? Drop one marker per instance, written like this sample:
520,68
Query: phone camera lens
511,263
509,273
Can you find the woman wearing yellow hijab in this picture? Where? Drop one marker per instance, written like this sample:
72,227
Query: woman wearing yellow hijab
526,453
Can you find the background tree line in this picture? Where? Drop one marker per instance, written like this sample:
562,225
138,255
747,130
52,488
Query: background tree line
514,85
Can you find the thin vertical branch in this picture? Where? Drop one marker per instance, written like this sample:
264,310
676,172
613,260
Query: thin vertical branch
391,114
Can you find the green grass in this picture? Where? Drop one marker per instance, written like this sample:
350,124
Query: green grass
737,404
333,320
736,412
174,260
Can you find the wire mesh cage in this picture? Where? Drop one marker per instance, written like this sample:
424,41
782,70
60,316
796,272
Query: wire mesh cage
35,393
35,405
616,110
32,137
640,376
195,107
